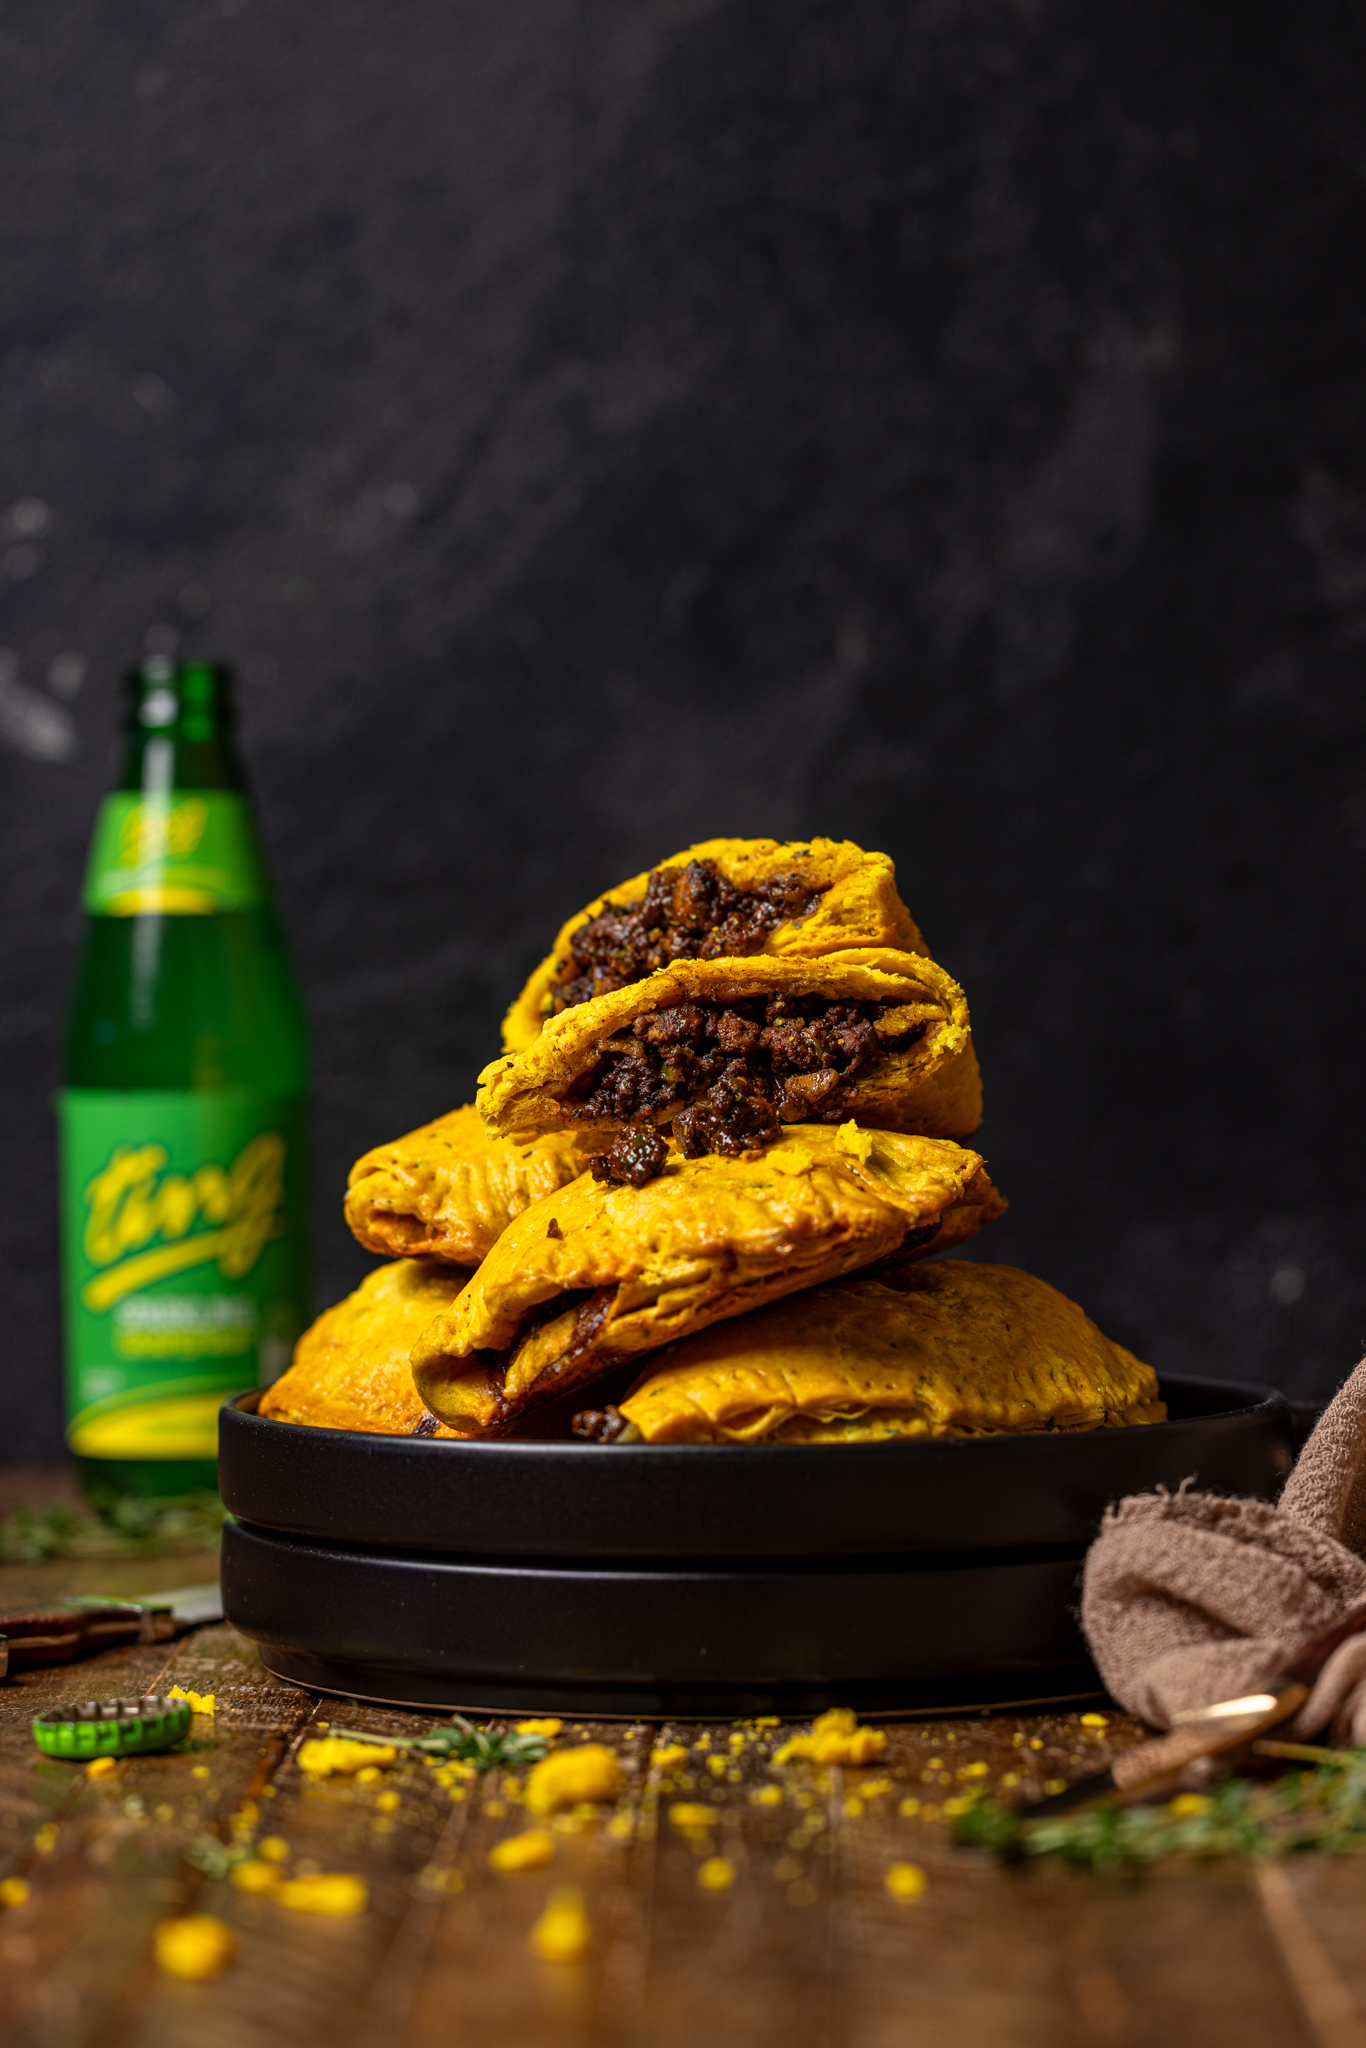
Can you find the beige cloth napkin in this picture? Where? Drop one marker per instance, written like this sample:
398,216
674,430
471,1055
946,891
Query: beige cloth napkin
1189,1598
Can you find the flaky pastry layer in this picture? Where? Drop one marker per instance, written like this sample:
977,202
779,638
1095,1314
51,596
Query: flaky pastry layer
949,1348
351,1369
596,1274
449,1189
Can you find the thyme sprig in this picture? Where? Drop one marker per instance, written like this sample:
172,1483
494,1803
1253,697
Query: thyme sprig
1323,1808
120,1527
215,1858
462,1742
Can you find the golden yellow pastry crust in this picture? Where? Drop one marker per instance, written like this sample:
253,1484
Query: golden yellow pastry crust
595,1274
449,1190
351,1370
947,1349
858,907
927,1085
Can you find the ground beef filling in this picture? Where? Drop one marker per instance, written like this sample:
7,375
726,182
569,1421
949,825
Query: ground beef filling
690,913
728,1075
635,1155
604,1426
591,1307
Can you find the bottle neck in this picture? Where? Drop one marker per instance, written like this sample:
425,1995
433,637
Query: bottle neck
179,731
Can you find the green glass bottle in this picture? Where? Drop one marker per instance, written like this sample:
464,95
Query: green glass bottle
184,1116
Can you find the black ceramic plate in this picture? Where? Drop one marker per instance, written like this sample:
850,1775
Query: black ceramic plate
733,1501
697,1580
777,1637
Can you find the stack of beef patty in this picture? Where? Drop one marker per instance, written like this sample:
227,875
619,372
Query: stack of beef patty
701,1194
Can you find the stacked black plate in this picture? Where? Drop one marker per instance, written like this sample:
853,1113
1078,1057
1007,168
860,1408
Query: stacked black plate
698,1580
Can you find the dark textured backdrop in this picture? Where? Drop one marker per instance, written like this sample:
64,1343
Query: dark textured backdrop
595,424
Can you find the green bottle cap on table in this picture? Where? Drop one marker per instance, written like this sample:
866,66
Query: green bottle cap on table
83,1729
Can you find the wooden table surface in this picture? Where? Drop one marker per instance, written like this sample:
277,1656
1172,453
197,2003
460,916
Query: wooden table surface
806,1946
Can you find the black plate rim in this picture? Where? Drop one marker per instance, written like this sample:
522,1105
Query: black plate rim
1260,1402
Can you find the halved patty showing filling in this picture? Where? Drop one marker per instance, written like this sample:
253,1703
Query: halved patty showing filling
721,899
687,913
725,1051
726,1075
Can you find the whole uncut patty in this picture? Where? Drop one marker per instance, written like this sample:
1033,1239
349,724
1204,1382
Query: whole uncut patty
351,1369
945,1349
450,1190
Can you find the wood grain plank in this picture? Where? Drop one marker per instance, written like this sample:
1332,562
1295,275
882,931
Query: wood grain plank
482,1982
116,1865
806,1947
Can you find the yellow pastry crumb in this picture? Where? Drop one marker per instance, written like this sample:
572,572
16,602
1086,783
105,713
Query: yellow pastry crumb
198,1703
835,1738
690,1815
905,1881
193,1947
563,1933
568,1776
670,1757
100,1766
858,1144
338,1892
529,1851
320,1757
1095,1721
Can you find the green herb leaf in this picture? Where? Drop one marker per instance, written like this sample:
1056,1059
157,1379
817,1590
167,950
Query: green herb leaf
463,1742
1315,1809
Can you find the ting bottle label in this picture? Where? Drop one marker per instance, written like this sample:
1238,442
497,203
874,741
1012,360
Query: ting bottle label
185,1261
184,856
